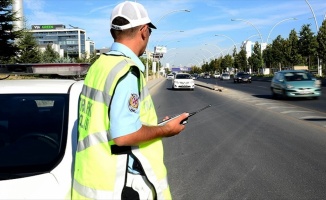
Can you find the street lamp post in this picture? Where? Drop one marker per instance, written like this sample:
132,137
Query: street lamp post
317,28
292,18
230,39
217,47
196,61
209,52
173,11
261,38
158,67
166,35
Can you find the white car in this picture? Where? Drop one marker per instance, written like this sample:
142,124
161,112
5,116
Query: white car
225,76
217,75
38,137
183,81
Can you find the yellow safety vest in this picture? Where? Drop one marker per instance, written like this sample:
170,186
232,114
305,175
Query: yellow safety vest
100,173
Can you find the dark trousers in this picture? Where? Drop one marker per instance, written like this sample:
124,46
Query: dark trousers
129,194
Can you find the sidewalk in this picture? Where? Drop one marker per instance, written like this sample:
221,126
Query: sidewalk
154,81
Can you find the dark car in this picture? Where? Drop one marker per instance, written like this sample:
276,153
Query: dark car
242,77
206,75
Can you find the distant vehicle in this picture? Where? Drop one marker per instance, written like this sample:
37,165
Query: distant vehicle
206,76
295,83
225,76
242,77
169,76
195,76
217,75
183,81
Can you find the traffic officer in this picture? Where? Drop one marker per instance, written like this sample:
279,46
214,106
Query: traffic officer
120,152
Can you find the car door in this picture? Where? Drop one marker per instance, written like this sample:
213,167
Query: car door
278,82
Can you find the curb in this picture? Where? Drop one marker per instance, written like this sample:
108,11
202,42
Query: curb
210,86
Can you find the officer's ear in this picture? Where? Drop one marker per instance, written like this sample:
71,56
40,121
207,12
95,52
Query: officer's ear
143,31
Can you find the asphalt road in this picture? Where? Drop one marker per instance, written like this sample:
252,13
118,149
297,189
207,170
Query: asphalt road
261,89
243,147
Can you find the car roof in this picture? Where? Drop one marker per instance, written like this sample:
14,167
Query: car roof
36,86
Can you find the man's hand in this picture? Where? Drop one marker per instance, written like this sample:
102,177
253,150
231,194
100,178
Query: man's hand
175,126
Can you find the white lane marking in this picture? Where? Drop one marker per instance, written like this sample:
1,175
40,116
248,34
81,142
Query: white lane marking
313,117
295,111
259,104
276,107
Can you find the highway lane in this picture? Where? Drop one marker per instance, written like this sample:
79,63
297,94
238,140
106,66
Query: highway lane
261,89
240,150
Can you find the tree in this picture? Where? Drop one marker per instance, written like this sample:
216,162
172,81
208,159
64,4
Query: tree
214,65
291,52
278,51
268,56
256,58
241,60
49,55
307,44
8,34
227,62
321,39
28,49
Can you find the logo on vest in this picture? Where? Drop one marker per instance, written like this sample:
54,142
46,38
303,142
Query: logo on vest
133,102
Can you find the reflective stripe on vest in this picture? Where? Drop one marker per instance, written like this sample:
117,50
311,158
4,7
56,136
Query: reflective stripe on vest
93,156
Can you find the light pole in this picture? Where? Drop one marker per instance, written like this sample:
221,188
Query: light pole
196,61
317,28
261,38
292,18
230,39
173,11
209,52
170,42
158,63
166,35
217,47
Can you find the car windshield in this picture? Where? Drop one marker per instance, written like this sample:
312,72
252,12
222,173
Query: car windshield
32,128
298,76
183,76
243,74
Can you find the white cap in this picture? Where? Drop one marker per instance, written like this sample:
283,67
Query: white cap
134,12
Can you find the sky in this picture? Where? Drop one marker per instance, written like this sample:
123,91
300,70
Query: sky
204,33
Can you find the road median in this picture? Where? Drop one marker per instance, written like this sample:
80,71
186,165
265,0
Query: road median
210,86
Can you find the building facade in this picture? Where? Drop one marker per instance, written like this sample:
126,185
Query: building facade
71,40
249,47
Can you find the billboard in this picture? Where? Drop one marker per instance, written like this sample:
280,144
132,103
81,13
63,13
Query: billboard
47,27
160,50
181,69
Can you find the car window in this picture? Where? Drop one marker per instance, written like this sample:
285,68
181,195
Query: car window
33,132
183,76
298,76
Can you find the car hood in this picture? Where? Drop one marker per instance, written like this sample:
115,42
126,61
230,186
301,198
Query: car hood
299,84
